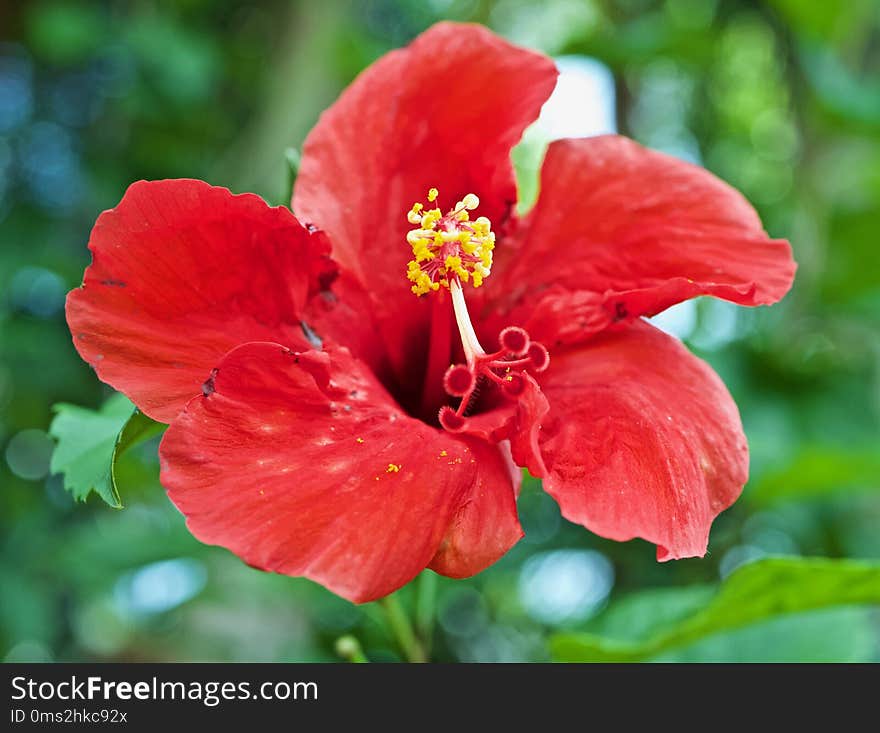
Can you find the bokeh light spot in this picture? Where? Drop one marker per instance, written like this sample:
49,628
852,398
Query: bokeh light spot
28,454
562,586
159,586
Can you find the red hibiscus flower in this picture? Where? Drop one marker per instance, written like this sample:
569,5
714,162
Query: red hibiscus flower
350,391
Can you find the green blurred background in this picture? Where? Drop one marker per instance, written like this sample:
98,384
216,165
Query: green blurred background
780,98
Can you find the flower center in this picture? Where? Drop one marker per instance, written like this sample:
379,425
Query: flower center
450,250
448,247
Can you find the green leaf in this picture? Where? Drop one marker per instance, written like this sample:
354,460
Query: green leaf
823,635
90,443
758,592
137,429
819,471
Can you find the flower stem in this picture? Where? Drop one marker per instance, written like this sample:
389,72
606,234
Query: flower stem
426,601
400,626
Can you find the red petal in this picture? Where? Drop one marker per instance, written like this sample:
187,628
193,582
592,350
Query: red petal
486,526
182,272
621,231
344,315
643,440
302,464
444,112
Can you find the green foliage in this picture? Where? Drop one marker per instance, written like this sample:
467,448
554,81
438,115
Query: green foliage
834,634
830,19
137,429
818,471
757,592
780,98
66,32
91,442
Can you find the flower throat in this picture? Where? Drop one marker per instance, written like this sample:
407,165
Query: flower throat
450,250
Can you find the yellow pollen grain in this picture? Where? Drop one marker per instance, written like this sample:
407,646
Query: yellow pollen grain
430,219
443,454
359,440
393,468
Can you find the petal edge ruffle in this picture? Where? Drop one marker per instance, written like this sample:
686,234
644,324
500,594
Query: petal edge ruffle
620,231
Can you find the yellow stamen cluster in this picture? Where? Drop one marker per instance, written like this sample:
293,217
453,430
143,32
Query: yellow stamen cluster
448,248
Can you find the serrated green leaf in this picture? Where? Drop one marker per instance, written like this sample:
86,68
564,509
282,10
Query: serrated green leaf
90,442
137,429
763,590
